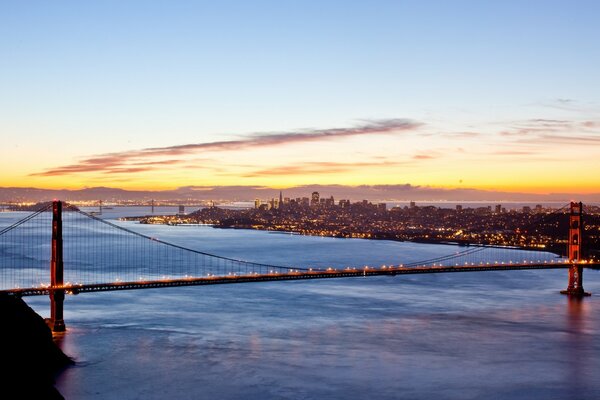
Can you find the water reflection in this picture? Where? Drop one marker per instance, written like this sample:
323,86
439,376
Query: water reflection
577,344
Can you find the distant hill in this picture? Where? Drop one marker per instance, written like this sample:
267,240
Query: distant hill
36,207
404,192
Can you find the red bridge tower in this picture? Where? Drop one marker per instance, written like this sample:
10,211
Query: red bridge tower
57,296
575,287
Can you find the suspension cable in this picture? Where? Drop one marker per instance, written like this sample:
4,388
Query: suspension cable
29,217
132,232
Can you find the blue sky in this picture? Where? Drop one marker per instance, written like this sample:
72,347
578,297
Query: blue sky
115,76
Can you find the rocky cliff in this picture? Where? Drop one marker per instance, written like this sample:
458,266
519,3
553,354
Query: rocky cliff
30,358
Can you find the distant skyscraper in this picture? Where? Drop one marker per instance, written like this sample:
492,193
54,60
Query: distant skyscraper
280,198
498,208
256,203
330,202
315,199
413,204
459,207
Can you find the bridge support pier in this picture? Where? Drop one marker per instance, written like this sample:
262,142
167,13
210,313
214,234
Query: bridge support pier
57,297
57,322
575,287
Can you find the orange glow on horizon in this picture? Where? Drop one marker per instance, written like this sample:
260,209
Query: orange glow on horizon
418,156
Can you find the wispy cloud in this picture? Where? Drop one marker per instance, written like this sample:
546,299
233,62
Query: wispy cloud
423,157
461,135
272,139
513,152
571,105
119,162
537,126
553,131
573,140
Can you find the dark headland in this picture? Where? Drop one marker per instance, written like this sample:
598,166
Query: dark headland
30,358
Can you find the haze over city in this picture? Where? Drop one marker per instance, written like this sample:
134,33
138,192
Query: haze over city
455,97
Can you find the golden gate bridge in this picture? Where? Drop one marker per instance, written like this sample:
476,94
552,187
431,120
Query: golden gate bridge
71,244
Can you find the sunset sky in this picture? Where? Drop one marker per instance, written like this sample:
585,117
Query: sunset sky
156,95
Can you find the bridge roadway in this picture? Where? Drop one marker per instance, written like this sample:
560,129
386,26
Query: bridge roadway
292,275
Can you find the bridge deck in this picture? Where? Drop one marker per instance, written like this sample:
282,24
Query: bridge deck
314,274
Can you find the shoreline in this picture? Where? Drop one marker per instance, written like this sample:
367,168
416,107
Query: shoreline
554,249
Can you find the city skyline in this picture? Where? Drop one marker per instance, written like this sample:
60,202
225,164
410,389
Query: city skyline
377,193
466,97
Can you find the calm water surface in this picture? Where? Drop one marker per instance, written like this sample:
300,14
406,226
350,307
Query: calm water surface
494,335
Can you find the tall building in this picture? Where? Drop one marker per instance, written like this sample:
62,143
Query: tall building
330,202
280,198
413,204
498,208
256,203
274,204
315,199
